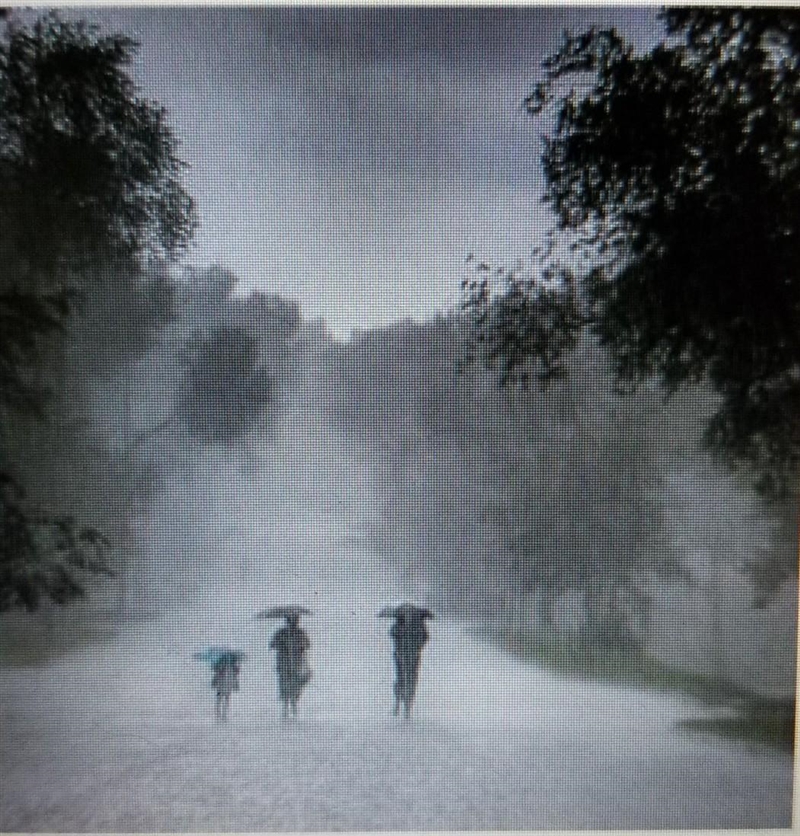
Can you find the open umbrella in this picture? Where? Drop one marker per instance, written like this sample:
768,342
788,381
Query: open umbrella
283,612
405,611
214,655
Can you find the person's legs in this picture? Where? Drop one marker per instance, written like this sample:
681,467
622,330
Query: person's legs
398,682
415,671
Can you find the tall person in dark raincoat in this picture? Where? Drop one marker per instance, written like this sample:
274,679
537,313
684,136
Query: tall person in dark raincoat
291,644
409,636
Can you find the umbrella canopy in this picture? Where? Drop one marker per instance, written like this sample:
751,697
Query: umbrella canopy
283,612
214,655
405,611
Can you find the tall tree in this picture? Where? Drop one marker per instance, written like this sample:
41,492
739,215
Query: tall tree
90,194
674,176
90,180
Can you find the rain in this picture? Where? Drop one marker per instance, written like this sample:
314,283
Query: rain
277,423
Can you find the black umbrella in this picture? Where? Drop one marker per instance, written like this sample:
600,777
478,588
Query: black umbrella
409,611
283,612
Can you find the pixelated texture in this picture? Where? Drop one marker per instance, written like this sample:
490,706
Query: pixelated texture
286,417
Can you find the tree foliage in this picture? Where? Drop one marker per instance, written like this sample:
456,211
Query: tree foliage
236,358
674,176
89,166
497,496
90,180
40,555
91,202
397,381
226,388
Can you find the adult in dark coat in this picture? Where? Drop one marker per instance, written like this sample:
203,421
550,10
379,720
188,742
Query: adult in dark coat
291,644
409,636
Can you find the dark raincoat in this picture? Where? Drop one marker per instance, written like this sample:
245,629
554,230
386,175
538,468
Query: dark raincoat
409,636
291,644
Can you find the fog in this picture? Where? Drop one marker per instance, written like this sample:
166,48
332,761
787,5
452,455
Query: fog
286,416
414,504
495,742
315,514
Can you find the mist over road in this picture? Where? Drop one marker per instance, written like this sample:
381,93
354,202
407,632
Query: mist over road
121,737
323,411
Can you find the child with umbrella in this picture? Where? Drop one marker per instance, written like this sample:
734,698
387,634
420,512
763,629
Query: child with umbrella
226,664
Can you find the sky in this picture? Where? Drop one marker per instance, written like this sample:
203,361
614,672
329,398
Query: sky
352,158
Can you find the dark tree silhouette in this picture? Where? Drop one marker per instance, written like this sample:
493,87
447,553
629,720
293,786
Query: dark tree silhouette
41,556
674,176
226,388
90,191
90,181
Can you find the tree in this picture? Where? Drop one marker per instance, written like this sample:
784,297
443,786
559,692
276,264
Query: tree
674,176
231,356
399,381
236,356
226,387
40,556
91,199
90,180
494,496
583,521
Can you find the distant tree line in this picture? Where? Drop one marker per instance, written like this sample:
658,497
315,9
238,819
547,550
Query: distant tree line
559,496
670,270
674,180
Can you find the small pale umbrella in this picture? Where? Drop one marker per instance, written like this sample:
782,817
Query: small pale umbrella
214,655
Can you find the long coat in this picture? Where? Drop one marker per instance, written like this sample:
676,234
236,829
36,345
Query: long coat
291,644
409,638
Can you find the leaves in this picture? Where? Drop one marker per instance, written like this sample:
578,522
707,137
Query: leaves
92,209
87,164
43,557
24,319
675,179
525,328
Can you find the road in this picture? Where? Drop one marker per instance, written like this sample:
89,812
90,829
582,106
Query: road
121,737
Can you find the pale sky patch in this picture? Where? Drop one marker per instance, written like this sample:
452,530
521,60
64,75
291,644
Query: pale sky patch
352,159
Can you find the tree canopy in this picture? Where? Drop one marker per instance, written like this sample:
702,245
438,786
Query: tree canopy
91,197
40,556
226,389
674,177
235,357
90,180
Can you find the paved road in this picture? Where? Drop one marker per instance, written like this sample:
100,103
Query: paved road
121,737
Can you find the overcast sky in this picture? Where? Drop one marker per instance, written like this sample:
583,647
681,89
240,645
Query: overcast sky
351,158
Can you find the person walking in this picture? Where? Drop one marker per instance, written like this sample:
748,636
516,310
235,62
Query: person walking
291,644
409,636
225,681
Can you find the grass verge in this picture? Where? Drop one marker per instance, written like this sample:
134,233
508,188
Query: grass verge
757,719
